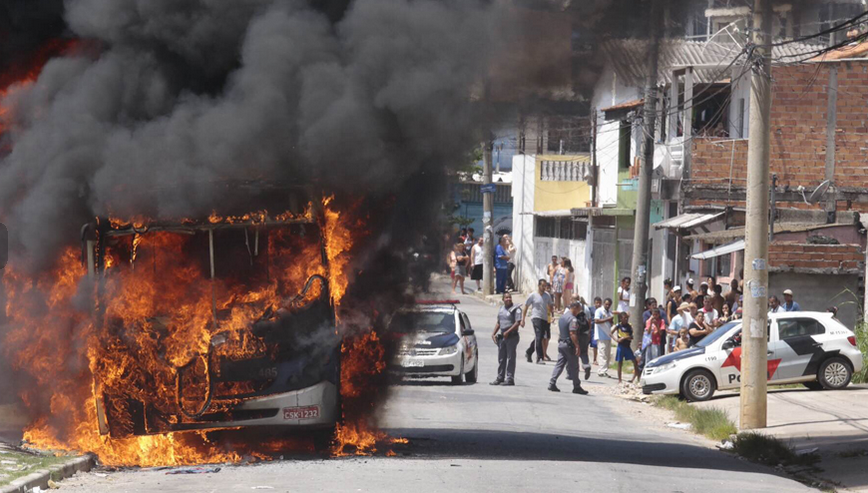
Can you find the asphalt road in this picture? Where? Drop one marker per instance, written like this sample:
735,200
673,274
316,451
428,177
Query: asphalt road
483,438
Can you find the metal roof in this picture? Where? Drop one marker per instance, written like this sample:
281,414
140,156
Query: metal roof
556,213
601,211
734,233
717,251
689,220
629,58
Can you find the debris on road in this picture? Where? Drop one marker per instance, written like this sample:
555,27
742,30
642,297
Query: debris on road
679,426
807,451
726,445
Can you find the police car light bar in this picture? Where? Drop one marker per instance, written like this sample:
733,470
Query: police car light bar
438,302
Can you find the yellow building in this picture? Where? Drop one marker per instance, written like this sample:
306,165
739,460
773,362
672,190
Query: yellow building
560,182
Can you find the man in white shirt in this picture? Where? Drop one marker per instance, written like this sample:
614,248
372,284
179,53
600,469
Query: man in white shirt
603,325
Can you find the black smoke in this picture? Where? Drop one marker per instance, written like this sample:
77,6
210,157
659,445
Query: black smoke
186,94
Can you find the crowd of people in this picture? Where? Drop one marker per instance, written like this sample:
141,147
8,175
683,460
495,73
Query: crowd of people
586,334
467,257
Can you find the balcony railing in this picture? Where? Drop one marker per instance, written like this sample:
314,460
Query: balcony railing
564,171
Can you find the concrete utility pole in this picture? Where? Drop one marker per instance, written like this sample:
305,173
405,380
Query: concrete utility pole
754,358
639,267
488,234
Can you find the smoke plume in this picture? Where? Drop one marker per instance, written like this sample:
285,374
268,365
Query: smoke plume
177,96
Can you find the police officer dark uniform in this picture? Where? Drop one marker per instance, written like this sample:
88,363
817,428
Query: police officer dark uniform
568,349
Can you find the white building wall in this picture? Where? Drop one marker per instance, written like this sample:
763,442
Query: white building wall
610,91
523,166
572,249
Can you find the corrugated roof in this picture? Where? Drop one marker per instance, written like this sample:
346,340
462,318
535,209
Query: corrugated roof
629,58
689,220
601,211
555,213
719,250
734,233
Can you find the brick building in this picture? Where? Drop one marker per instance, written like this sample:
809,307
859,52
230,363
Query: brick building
819,139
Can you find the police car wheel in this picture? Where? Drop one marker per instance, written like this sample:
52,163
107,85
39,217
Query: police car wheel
698,385
459,379
834,374
473,375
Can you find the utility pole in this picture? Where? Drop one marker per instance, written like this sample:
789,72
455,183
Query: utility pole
754,359
488,234
639,270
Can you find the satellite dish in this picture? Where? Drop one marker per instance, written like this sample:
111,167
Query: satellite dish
818,192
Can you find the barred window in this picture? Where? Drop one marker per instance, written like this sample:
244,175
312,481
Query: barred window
545,227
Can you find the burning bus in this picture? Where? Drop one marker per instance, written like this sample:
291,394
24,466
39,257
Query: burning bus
219,322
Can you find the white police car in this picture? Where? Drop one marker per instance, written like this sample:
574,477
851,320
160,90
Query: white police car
434,339
812,348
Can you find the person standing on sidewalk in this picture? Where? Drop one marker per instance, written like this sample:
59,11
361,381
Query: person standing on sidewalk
623,334
624,295
501,263
568,349
558,280
459,261
585,319
476,259
506,337
539,305
603,325
681,320
510,266
550,271
569,281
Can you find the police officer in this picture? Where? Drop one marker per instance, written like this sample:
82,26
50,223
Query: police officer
568,349
505,335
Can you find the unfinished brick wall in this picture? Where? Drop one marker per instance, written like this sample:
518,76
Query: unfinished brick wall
798,134
805,257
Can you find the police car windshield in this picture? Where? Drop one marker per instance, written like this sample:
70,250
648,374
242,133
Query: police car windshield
717,334
423,322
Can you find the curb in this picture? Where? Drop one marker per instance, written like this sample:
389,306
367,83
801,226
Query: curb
40,477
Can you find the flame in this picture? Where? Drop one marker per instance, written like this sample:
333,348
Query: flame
338,241
157,314
364,360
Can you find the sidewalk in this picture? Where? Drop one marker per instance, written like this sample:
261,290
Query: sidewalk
835,422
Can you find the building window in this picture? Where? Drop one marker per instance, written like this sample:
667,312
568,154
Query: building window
624,135
580,230
568,135
561,227
724,265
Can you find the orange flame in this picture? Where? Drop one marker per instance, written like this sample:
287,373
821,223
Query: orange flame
157,315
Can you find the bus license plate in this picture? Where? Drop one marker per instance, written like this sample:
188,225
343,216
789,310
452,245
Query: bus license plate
412,363
308,412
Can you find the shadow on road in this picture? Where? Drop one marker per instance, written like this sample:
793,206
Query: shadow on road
507,445
439,382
